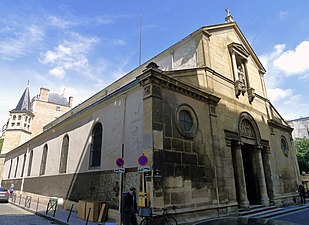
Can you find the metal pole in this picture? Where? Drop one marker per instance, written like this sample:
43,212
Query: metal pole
140,43
70,213
88,216
37,204
122,156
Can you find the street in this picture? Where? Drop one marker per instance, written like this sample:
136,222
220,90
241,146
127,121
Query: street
12,215
299,217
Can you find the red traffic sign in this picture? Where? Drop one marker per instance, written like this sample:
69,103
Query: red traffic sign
142,160
120,162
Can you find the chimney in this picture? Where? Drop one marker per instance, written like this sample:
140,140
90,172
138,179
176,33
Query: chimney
44,92
70,101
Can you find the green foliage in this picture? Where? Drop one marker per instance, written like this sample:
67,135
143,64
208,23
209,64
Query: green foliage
302,153
1,143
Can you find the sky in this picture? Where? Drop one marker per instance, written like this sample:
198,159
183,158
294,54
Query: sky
77,47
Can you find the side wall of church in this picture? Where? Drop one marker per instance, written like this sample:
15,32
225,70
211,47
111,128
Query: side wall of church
80,181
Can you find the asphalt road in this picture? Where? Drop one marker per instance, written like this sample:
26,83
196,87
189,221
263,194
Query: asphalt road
299,217
13,215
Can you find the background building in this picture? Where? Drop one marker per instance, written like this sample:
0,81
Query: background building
300,126
29,117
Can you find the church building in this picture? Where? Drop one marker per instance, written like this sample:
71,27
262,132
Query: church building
200,114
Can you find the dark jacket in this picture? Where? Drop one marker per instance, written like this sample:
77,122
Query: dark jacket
129,203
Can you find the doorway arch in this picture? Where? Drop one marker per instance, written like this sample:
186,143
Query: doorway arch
248,163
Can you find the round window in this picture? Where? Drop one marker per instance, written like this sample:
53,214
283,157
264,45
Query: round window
186,121
284,146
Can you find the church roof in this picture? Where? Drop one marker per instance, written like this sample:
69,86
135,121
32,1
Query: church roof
24,103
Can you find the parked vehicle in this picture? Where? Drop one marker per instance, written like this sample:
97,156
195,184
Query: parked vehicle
4,194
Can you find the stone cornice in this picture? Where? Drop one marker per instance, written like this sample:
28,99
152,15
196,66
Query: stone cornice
281,126
157,77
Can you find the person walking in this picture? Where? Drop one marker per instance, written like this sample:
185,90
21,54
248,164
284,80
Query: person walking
11,190
302,194
129,207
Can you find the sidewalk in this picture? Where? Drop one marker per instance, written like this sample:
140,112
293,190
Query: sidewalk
61,216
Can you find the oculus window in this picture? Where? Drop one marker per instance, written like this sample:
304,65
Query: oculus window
186,121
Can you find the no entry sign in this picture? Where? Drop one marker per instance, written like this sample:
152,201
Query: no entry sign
120,162
142,160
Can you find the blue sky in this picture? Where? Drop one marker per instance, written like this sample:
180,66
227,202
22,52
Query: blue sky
79,47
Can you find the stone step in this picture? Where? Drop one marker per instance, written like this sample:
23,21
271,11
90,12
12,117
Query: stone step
261,214
256,210
282,212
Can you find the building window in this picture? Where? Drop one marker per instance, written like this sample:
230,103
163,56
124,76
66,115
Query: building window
29,120
13,124
64,154
25,125
23,168
186,121
26,118
19,117
43,160
14,117
16,167
95,147
9,175
18,124
284,146
30,163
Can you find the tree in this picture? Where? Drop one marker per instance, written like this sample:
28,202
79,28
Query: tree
302,153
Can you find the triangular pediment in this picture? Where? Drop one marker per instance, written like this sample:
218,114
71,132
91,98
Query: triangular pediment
240,49
244,47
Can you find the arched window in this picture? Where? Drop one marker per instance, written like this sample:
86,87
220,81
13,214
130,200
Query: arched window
24,162
96,145
30,163
11,162
64,154
43,160
16,166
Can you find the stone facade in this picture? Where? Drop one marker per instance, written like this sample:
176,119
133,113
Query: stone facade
198,110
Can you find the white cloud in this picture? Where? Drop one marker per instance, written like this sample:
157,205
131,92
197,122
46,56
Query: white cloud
57,72
279,64
59,22
70,55
277,94
283,14
294,62
21,43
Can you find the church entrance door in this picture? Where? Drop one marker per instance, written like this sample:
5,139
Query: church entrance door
251,178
